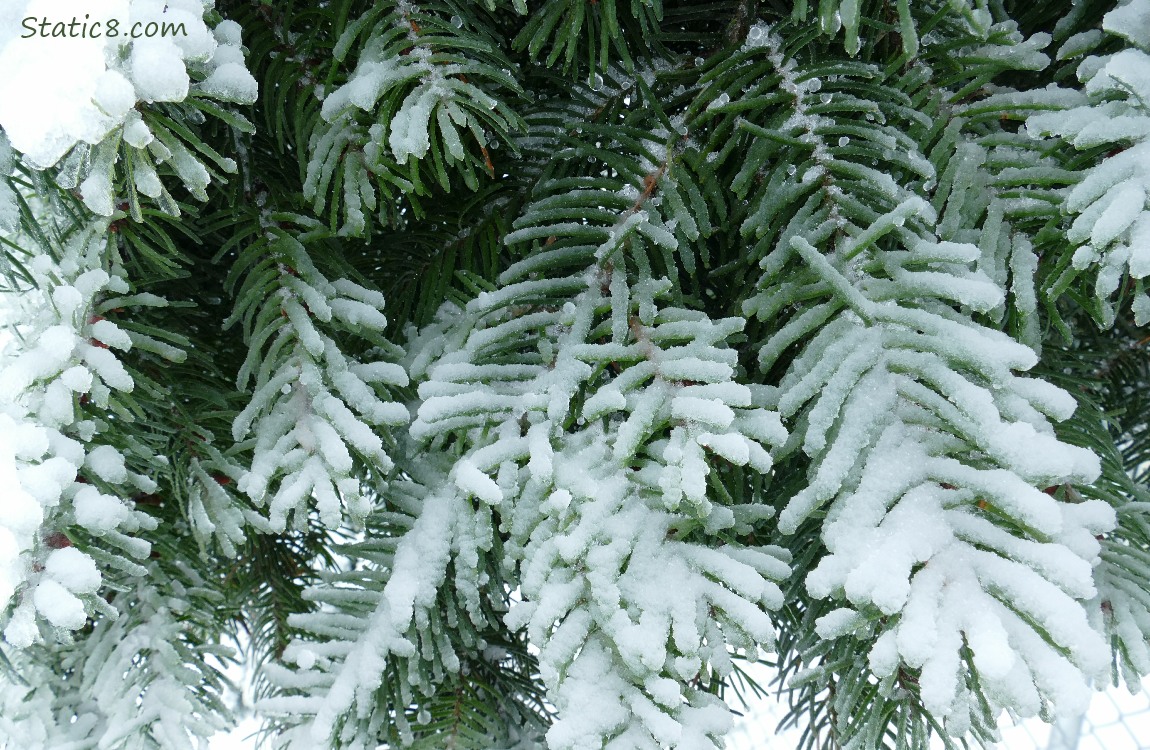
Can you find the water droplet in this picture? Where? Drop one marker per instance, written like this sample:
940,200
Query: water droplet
844,141
791,169
424,716
825,98
286,389
457,22
756,33
814,84
723,99
699,62
597,83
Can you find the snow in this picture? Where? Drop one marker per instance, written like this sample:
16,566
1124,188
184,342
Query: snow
732,447
46,95
109,369
158,71
58,605
114,95
921,431
228,33
53,348
757,35
1121,211
23,514
48,456
1130,20
356,313
313,410
231,82
475,482
107,463
409,127
1110,228
109,333
61,91
96,191
363,89
21,629
73,569
1141,309
97,512
710,412
837,623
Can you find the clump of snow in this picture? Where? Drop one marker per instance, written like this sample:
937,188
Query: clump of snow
60,91
1131,21
158,71
409,134
21,630
59,606
230,82
97,512
107,463
73,569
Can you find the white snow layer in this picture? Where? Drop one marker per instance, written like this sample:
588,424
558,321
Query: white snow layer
44,449
1112,224
60,91
625,614
317,406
